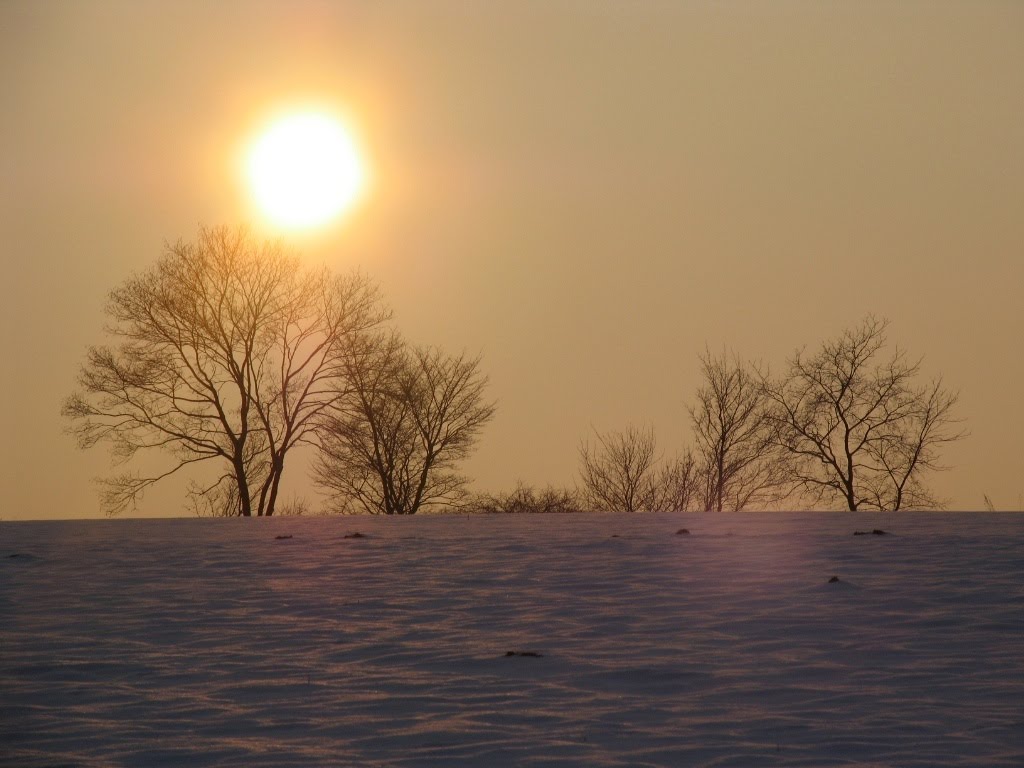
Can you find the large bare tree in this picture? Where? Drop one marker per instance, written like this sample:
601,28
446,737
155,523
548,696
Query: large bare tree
858,426
392,445
226,353
738,459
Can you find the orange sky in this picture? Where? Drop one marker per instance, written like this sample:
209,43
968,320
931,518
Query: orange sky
586,192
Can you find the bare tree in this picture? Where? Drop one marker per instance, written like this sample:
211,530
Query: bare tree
739,462
679,484
991,507
227,353
622,472
619,471
392,445
857,426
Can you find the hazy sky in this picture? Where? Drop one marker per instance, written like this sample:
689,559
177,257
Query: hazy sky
585,192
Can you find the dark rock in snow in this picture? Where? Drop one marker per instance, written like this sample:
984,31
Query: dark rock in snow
873,532
24,557
356,535
682,532
531,654
833,580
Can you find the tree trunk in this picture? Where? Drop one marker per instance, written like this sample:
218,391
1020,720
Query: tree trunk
274,485
244,502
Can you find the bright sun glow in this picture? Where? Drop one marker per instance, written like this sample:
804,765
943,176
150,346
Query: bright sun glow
304,170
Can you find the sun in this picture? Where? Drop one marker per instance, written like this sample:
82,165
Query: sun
305,170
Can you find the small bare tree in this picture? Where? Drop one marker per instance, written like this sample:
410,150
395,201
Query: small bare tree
392,444
740,464
619,471
227,353
679,484
622,472
858,428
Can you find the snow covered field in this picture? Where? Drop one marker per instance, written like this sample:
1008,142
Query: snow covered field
214,642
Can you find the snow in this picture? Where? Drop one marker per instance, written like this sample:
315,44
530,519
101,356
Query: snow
211,642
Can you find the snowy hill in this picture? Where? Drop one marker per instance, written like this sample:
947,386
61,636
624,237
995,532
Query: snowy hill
565,640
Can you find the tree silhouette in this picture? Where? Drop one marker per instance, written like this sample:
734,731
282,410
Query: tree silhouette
228,352
739,462
857,426
621,472
618,471
392,444
679,484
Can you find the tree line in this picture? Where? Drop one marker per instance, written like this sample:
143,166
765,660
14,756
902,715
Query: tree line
850,425
227,354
